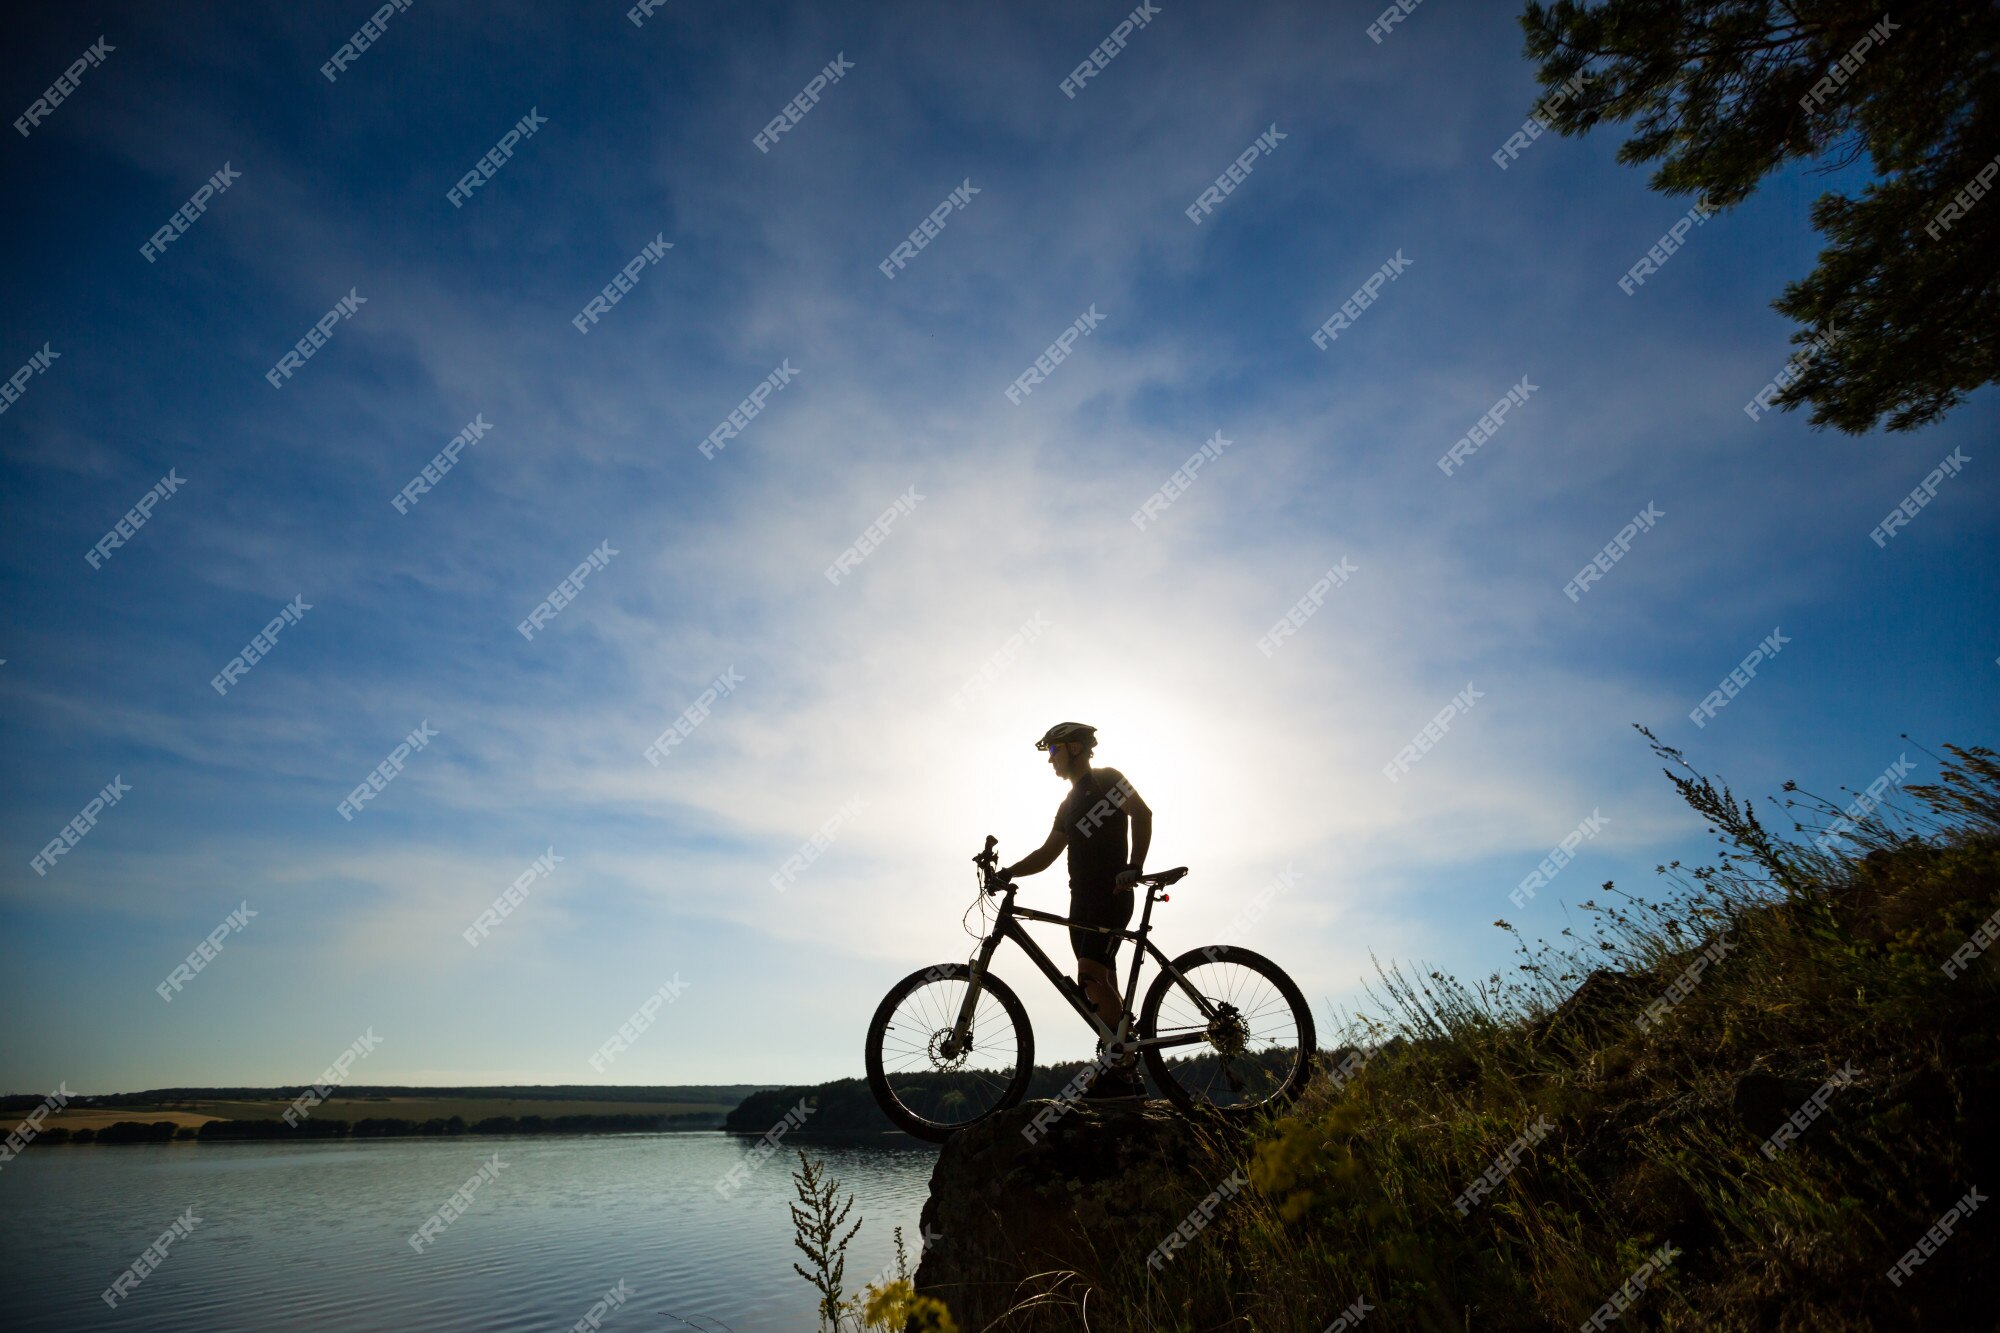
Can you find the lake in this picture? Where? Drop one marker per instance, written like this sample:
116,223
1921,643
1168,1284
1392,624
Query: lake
316,1235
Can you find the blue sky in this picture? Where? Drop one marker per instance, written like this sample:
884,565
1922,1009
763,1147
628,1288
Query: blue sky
1254,762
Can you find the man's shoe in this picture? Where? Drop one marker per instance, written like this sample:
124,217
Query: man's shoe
1116,1085
1099,1086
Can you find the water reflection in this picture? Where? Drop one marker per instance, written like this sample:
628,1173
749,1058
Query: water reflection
315,1235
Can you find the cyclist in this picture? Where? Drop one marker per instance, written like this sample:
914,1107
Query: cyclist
1093,822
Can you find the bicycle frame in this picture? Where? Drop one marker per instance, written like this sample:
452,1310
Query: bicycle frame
1115,1041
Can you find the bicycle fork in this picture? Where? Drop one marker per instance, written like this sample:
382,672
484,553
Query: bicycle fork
959,1041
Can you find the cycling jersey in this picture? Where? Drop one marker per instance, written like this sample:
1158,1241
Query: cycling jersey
1094,819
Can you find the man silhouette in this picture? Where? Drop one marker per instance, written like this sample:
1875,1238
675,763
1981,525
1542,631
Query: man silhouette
1092,823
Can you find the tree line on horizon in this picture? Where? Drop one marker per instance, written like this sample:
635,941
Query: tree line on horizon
718,1093
378,1127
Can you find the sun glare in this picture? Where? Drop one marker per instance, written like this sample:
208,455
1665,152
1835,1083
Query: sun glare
1166,746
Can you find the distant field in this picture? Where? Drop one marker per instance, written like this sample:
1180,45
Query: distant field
91,1118
472,1109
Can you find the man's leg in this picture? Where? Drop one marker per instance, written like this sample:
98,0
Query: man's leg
1100,988
1099,977
1097,974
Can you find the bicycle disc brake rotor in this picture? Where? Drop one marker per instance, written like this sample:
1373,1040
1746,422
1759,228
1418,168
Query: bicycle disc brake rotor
939,1059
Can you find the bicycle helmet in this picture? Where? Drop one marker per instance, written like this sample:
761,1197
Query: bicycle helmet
1067,731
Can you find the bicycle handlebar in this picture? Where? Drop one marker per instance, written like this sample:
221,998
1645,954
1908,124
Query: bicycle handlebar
991,881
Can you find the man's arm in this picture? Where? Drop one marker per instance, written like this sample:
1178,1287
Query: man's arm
1035,862
1141,815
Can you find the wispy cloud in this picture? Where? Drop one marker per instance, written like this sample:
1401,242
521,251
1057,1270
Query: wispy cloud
1254,761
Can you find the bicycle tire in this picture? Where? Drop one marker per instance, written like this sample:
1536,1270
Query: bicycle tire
1191,964
909,1119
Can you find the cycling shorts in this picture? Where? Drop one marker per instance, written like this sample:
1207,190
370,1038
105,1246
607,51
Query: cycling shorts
1103,906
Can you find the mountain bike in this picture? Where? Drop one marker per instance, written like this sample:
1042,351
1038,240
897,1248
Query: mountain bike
950,1046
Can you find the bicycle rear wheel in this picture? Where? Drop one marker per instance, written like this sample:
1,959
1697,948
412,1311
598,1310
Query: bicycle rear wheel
932,1093
1256,1048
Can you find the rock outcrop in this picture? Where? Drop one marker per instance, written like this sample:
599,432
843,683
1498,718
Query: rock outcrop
1021,1211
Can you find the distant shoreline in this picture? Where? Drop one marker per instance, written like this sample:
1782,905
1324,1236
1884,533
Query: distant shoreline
321,1130
212,1115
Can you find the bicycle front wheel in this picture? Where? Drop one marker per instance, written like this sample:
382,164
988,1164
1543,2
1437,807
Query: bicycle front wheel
1256,1033
924,1082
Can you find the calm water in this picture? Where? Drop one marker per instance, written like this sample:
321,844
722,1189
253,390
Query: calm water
315,1235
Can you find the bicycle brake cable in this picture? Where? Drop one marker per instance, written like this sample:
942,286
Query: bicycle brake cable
978,904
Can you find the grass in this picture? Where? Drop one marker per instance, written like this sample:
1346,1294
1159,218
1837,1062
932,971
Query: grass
1656,1116
890,1305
